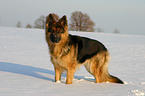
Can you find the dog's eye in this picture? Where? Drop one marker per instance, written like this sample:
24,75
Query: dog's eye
49,30
53,31
61,31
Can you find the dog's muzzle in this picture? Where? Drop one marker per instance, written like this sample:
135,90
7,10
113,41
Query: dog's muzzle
55,38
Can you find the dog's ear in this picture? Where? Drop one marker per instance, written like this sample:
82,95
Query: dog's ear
63,21
49,20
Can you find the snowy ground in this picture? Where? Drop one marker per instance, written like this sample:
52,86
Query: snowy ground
25,68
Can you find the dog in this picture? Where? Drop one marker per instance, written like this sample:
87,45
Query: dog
67,52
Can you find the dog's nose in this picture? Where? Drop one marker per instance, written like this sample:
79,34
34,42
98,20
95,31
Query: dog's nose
54,36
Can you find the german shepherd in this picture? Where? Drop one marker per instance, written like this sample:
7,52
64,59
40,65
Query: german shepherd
67,52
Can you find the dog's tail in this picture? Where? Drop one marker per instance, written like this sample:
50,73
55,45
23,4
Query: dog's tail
113,79
108,77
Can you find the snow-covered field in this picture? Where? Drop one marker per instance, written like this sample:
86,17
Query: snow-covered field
25,68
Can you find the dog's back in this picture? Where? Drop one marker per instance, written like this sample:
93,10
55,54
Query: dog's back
87,48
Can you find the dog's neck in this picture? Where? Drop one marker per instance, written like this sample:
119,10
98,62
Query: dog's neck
59,50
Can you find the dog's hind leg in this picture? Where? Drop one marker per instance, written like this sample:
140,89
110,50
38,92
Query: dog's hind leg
98,66
97,75
93,68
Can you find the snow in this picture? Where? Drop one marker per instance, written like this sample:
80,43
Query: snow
26,70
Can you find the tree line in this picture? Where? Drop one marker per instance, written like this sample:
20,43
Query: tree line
78,22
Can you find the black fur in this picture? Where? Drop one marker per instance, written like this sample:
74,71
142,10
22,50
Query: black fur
87,48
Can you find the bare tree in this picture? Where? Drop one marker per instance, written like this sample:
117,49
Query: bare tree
81,22
99,29
28,26
19,24
116,31
40,22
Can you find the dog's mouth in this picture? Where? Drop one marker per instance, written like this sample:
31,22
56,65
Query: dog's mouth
55,38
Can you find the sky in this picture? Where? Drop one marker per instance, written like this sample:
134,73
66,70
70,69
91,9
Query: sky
128,16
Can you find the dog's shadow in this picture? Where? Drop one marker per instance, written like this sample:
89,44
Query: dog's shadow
31,71
25,70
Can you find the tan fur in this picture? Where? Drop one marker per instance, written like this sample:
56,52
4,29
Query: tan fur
64,57
61,62
64,63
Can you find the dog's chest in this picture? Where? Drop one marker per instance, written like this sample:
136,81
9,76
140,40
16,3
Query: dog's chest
64,59
60,61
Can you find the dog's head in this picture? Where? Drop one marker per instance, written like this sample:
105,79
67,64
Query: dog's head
56,31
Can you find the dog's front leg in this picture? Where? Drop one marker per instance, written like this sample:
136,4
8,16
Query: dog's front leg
70,75
58,72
